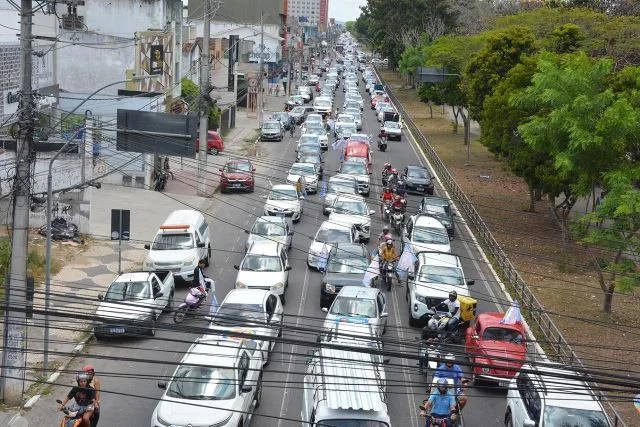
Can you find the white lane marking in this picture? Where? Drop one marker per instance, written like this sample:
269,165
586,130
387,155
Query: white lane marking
285,397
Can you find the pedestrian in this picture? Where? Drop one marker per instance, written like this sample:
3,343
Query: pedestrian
167,168
300,188
277,89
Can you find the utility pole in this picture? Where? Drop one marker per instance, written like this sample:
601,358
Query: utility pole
261,87
13,363
204,100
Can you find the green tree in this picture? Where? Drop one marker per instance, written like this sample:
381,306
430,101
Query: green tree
350,26
191,94
615,226
566,38
411,58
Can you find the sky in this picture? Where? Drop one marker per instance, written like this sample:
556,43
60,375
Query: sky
345,10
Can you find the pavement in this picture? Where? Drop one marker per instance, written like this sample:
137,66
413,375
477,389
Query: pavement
76,286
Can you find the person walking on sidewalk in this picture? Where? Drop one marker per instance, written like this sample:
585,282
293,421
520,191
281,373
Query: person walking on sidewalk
277,89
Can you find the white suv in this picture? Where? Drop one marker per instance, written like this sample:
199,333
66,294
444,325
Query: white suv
551,396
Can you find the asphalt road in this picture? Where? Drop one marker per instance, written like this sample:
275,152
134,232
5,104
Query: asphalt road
282,390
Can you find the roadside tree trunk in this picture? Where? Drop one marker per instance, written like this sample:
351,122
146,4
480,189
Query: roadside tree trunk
532,198
431,109
456,112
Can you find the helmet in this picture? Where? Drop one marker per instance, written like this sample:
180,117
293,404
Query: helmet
385,228
453,294
449,358
394,170
397,197
433,324
88,368
389,242
387,165
82,376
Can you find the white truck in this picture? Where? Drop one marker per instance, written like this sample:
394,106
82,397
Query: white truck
133,303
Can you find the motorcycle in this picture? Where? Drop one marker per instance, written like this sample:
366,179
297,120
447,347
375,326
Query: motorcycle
382,144
60,229
396,219
72,418
192,303
161,180
429,355
436,321
388,273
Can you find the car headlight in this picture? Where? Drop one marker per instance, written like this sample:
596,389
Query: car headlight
278,285
365,227
189,261
329,288
421,299
241,285
486,370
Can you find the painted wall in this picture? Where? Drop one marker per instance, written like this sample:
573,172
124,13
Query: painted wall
250,33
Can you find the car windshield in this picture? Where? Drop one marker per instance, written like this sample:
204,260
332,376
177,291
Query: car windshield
310,158
418,173
303,170
341,187
354,111
310,148
572,417
239,315
440,274
345,119
128,291
315,130
271,126
502,334
172,242
435,210
430,235
309,139
350,423
350,207
268,228
280,116
354,307
237,167
203,383
261,263
354,168
333,235
283,194
298,110
348,265
324,103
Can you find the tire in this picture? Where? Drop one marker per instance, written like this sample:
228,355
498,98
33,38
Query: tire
252,189
258,396
508,421
169,306
151,330
389,281
283,298
179,315
207,260
412,322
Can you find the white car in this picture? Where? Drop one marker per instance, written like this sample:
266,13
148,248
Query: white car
320,132
312,120
328,234
358,304
308,173
345,130
357,116
344,119
426,233
338,184
437,274
251,311
393,130
552,394
323,104
360,172
283,200
264,266
380,105
218,382
350,209
270,229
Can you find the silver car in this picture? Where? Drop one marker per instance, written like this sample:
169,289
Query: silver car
359,304
271,229
338,184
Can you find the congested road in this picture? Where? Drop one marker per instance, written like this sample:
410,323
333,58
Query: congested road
132,367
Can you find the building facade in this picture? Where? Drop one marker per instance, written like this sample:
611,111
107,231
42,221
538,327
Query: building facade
316,12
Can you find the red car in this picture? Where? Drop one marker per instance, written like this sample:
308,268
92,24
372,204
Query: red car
378,98
215,144
495,347
237,175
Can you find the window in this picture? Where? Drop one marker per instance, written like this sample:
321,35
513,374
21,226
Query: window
155,285
380,303
204,229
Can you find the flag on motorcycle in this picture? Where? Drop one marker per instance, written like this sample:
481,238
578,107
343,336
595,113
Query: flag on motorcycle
372,272
324,257
323,190
406,262
512,315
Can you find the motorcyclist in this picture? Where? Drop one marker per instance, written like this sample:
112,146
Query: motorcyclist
382,135
398,202
454,311
83,394
450,369
385,198
388,252
382,237
95,383
196,294
441,404
392,179
386,170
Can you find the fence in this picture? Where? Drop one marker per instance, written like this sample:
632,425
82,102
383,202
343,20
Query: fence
562,352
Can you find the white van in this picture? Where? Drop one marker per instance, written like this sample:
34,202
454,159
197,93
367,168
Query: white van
181,241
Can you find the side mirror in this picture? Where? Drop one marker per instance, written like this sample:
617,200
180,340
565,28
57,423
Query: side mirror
470,282
237,267
247,231
162,385
100,297
411,276
147,246
158,295
528,423
372,212
246,389
329,210
287,268
384,314
201,245
325,310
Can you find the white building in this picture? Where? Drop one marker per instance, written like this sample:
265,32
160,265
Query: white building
308,8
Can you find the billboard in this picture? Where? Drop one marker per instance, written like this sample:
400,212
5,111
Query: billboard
155,56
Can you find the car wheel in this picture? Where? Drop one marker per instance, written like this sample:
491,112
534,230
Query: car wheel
169,307
252,189
258,395
412,322
283,298
508,420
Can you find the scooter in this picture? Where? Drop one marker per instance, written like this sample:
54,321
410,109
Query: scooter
388,273
436,321
72,418
382,144
192,303
396,219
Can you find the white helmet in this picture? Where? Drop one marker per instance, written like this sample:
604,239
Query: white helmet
433,324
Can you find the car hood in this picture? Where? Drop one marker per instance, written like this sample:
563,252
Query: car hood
417,247
498,351
274,131
332,319
177,256
344,279
236,175
307,179
316,247
349,219
361,178
206,412
418,181
124,310
284,204
260,278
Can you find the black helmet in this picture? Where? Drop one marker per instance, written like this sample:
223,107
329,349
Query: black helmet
454,295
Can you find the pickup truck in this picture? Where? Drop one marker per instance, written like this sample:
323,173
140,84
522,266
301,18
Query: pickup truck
133,303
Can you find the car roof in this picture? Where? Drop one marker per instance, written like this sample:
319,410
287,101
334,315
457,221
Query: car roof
311,165
332,225
410,167
351,197
283,187
264,247
343,177
246,296
435,200
207,349
428,221
358,292
269,218
440,259
349,250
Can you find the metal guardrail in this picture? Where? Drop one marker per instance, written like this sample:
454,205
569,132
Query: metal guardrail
562,351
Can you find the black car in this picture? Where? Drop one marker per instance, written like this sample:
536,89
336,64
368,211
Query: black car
283,118
416,179
439,208
346,266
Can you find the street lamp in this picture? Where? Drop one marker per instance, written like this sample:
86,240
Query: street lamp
47,283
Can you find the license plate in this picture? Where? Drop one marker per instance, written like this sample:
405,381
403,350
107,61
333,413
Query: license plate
117,330
420,188
237,184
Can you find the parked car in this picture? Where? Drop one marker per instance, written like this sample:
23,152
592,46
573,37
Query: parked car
271,229
283,200
359,304
218,382
215,144
237,174
496,350
416,179
253,311
133,303
265,266
439,208
271,130
346,266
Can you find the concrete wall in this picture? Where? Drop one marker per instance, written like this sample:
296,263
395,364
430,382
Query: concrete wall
250,33
241,11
